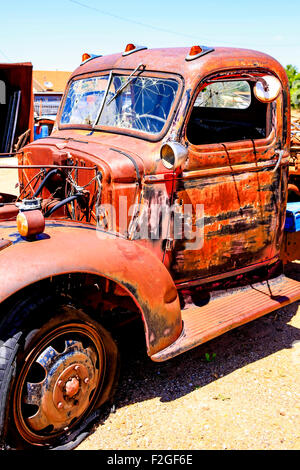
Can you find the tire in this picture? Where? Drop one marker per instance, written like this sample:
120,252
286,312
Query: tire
57,367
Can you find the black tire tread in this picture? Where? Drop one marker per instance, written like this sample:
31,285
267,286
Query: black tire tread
15,327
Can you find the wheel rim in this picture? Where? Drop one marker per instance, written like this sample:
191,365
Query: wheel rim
59,383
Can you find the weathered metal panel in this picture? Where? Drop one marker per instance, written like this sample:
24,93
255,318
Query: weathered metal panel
221,315
67,247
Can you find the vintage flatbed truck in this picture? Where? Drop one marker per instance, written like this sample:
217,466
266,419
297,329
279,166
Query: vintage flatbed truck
160,194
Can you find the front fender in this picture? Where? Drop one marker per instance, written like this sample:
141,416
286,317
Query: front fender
68,247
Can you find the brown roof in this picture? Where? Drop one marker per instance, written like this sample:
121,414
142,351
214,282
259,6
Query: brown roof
173,60
57,78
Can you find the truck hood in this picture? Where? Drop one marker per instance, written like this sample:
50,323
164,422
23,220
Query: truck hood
117,163
10,236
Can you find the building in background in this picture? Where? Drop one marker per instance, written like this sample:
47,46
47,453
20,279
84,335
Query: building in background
48,88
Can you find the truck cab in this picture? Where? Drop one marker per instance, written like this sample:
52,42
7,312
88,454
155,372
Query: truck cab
161,193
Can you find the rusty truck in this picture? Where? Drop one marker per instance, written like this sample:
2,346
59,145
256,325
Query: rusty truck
161,194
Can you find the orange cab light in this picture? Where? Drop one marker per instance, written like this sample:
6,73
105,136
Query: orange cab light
129,47
195,50
85,56
30,223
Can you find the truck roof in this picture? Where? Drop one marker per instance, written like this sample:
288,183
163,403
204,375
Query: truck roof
173,60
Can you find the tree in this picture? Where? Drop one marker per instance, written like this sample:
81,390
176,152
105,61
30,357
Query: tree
294,81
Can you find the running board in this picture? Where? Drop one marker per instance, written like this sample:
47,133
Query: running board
201,324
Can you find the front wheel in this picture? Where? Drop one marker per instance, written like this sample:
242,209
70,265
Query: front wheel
55,368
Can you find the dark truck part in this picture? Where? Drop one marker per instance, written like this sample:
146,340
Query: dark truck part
16,109
197,248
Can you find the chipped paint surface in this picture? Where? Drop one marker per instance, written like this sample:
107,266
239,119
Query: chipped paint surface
242,215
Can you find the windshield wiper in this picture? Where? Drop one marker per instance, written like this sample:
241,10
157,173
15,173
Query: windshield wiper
103,101
129,80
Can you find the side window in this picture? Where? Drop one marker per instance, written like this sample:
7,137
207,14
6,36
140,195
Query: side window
234,95
227,111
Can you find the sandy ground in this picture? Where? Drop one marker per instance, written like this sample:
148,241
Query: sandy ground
295,114
247,397
8,177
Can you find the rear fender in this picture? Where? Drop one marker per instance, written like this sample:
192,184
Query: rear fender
74,248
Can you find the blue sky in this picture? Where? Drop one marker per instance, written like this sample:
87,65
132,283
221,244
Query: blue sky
53,34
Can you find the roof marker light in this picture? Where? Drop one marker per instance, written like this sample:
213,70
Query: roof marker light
86,57
130,48
195,50
198,51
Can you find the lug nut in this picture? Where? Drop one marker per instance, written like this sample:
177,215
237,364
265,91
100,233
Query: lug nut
77,368
86,380
60,405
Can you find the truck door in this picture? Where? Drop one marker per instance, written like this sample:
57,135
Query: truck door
234,141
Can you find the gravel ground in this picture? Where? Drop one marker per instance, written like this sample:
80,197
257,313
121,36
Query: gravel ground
247,397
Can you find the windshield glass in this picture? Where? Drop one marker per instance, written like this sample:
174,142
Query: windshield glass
83,100
144,104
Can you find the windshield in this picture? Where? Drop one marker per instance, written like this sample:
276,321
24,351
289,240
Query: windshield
144,104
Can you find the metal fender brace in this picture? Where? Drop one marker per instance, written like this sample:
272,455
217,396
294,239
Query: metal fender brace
138,175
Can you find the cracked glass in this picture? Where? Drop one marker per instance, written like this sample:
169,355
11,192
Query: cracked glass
143,105
231,94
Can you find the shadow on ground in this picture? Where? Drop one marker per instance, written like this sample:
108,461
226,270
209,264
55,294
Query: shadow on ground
141,379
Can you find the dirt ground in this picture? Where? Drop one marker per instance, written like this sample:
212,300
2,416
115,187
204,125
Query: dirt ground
247,397
8,177
295,114
244,395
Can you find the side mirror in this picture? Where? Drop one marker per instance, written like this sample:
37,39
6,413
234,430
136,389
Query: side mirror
267,88
173,155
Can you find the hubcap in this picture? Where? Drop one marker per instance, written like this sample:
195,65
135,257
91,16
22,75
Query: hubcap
72,377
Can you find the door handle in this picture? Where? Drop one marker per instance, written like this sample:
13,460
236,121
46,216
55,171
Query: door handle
280,155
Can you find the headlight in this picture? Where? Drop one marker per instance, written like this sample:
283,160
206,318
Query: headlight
173,155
